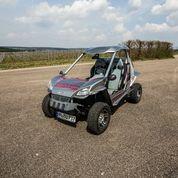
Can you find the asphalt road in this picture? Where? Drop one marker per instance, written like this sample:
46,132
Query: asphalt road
141,141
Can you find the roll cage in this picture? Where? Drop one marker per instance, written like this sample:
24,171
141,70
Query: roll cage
102,50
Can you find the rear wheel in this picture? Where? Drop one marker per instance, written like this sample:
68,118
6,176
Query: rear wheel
47,110
98,118
135,94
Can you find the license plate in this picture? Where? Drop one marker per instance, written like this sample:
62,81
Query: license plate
66,117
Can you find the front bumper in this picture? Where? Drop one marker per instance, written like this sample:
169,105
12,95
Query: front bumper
63,106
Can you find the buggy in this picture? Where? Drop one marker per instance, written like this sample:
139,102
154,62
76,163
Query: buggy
111,80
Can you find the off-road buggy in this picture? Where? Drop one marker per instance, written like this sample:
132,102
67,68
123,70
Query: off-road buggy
111,80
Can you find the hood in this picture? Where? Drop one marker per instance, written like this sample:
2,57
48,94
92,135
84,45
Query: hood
68,86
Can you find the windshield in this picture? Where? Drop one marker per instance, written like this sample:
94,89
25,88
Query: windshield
92,65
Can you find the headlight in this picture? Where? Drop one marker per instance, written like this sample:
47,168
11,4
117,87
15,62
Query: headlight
83,92
50,86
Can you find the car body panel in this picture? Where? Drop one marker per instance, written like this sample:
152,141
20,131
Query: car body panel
97,85
70,86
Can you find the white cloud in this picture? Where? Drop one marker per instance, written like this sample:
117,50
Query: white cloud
101,37
128,35
111,14
168,6
83,36
19,36
84,23
68,20
78,9
135,4
170,9
11,35
156,28
119,28
172,19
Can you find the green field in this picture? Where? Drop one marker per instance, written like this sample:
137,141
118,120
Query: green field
37,59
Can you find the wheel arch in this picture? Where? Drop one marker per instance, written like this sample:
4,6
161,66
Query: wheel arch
103,96
100,96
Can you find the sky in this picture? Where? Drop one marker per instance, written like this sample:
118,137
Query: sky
86,23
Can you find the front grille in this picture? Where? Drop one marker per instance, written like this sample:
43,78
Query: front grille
61,98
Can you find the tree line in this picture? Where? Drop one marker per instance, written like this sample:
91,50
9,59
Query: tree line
140,50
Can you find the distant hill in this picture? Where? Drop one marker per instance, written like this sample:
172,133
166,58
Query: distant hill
18,49
7,49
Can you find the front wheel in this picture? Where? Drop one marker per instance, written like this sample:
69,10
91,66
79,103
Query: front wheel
98,118
47,110
135,94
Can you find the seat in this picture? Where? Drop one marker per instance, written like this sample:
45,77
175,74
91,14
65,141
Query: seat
114,85
100,67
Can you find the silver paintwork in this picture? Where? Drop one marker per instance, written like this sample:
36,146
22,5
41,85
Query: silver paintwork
105,49
97,83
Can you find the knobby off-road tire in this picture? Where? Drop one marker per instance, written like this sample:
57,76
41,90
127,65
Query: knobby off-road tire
136,93
47,110
98,118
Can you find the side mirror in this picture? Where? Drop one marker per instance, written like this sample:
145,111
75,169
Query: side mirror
112,77
61,72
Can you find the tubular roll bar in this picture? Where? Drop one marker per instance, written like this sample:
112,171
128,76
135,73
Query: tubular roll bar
65,73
